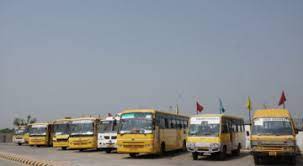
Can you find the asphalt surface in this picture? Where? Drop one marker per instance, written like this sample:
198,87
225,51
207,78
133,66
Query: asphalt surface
92,158
8,163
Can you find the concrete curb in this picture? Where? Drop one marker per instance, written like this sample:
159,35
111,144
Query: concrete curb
23,160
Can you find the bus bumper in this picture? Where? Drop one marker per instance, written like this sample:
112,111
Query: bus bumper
281,151
203,150
135,149
38,141
82,143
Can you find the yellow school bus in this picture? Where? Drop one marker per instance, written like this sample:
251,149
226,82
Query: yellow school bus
41,134
83,133
215,134
150,131
273,135
61,133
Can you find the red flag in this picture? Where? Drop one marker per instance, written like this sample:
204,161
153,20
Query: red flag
282,99
199,107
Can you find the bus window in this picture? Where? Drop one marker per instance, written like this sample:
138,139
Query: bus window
166,123
224,127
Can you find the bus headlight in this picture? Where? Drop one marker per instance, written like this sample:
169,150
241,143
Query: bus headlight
190,145
214,146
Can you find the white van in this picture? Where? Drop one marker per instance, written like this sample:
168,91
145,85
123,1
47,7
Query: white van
18,136
107,135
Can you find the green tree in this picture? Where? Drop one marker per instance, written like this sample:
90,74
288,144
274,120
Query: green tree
19,121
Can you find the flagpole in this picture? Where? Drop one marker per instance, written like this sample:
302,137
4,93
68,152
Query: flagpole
249,117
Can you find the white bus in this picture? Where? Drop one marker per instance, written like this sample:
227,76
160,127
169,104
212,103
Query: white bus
107,135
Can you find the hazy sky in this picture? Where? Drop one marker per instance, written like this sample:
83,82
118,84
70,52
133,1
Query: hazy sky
73,58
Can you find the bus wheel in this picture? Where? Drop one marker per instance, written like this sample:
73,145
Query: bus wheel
162,150
63,148
19,143
133,155
195,155
222,154
184,146
81,150
257,160
292,160
237,151
108,150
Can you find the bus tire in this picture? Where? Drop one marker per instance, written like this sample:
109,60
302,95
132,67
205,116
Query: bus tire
81,150
19,143
162,149
108,150
63,148
133,155
184,146
222,154
194,155
292,160
257,160
237,151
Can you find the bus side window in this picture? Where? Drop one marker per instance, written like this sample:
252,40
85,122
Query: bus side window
162,123
237,126
229,126
224,127
166,123
177,124
180,124
173,123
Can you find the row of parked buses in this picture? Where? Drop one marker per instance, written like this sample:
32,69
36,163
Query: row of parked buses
155,132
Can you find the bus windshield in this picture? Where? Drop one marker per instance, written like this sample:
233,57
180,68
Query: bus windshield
272,126
106,126
136,123
19,131
201,126
61,129
82,127
38,130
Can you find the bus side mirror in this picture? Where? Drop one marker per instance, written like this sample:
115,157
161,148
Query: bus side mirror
296,131
247,133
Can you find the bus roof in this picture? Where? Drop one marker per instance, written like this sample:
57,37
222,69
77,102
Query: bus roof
216,115
40,123
271,113
59,121
151,111
85,118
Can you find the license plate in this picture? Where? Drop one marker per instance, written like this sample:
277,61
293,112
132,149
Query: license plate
272,153
206,153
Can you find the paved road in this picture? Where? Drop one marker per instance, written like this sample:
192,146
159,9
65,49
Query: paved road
92,158
8,163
